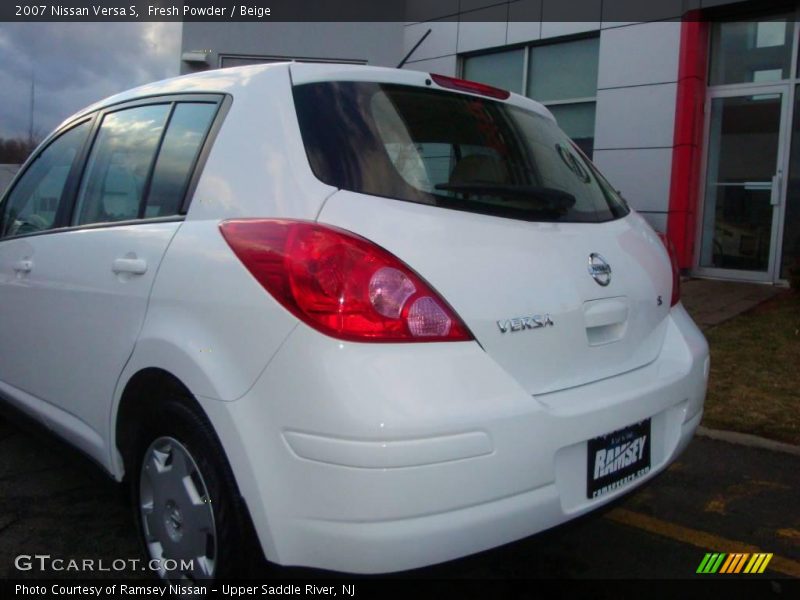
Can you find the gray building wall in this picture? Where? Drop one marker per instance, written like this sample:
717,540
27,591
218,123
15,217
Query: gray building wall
379,44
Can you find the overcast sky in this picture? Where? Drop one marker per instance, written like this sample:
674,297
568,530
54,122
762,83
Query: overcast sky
76,64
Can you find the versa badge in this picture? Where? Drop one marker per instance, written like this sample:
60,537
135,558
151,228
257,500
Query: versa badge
521,323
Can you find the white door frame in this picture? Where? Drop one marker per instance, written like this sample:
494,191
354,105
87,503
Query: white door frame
786,91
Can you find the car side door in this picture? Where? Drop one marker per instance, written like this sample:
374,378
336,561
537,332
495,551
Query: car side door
32,208
90,282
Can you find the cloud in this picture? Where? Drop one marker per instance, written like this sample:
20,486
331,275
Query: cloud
76,64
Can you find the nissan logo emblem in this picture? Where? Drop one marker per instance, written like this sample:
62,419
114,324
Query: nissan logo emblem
599,269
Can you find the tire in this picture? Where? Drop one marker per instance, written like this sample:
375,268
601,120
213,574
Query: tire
185,500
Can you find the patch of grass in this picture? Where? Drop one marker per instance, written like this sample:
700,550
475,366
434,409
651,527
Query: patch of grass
754,385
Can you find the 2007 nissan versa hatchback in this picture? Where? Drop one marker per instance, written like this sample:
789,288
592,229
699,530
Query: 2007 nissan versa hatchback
371,319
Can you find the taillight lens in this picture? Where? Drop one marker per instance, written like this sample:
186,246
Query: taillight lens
342,284
676,272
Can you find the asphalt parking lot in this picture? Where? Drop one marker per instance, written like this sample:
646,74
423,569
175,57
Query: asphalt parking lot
719,497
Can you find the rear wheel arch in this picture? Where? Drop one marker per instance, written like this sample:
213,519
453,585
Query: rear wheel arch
151,391
143,394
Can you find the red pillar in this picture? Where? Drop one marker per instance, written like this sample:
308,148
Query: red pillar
684,193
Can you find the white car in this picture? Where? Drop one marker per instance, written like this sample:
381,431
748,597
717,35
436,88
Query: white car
369,319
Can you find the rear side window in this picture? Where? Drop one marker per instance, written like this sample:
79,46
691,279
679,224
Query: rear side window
182,142
119,164
449,150
141,162
36,198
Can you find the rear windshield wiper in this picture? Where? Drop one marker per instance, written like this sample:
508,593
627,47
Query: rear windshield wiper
550,198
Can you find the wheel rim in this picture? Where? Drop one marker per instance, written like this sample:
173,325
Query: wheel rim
176,514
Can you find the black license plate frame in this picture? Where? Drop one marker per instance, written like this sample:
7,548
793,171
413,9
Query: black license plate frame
617,458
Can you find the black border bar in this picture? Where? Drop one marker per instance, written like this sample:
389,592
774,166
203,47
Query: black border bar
345,588
407,11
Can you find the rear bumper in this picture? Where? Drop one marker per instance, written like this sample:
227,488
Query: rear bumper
374,458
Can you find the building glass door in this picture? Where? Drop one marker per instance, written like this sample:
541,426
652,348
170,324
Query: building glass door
744,183
753,84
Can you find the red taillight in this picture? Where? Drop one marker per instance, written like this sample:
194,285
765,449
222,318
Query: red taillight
464,85
341,284
676,272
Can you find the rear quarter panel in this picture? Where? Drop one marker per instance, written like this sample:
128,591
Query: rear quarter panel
209,323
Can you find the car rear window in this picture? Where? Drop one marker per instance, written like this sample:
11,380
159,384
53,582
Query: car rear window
449,150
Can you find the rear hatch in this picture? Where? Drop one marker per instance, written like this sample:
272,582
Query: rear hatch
493,205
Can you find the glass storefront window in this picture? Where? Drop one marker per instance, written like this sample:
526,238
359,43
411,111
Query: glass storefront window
563,71
751,52
562,75
577,121
500,69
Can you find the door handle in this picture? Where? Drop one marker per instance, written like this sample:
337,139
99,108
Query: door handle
23,266
134,266
775,196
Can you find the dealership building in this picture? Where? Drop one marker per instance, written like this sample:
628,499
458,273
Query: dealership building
691,114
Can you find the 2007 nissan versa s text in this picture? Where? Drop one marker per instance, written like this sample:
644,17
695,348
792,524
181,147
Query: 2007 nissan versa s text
372,319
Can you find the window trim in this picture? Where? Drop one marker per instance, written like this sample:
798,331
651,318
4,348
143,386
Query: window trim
66,209
148,181
72,185
201,157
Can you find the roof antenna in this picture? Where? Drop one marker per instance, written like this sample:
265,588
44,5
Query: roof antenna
410,52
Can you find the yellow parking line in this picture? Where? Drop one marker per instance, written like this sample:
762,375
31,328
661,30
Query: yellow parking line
701,539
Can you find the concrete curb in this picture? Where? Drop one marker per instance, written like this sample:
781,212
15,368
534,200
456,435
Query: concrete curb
746,439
